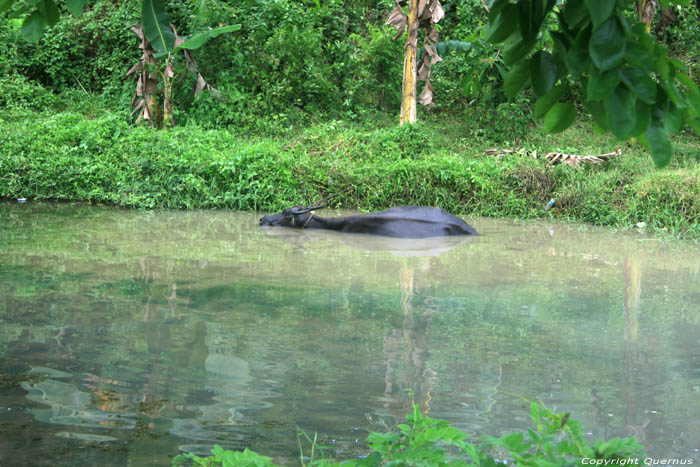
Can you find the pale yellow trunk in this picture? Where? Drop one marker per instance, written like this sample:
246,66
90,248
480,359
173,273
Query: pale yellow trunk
408,89
168,75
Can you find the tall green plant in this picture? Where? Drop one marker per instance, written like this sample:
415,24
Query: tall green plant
156,68
159,45
421,15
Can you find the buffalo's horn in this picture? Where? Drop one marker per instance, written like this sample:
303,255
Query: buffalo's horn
296,211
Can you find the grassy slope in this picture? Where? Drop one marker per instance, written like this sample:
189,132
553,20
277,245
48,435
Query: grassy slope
367,166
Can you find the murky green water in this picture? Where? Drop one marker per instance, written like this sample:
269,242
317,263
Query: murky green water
152,332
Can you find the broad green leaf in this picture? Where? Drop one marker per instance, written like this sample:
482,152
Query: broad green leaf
687,81
600,10
574,12
672,119
627,27
597,110
517,50
51,11
642,56
694,123
502,24
620,107
577,58
600,84
544,72
495,6
532,14
694,99
559,117
516,79
561,43
640,83
156,26
678,65
659,143
197,40
546,102
672,93
527,20
607,45
502,70
643,117
663,68
75,7
33,27
693,94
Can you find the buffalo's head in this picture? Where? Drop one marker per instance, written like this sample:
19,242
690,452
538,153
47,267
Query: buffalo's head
298,217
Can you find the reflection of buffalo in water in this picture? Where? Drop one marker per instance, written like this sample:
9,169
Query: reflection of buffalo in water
403,247
400,222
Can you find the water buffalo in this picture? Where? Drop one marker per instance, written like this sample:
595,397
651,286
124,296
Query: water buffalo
401,222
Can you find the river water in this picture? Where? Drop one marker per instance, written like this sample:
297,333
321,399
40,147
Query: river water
127,337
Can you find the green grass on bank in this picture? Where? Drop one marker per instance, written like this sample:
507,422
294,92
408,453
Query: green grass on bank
366,166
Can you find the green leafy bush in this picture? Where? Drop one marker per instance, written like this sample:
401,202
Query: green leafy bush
226,458
376,67
92,52
16,92
555,440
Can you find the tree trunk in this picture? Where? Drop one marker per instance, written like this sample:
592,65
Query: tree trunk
168,76
408,89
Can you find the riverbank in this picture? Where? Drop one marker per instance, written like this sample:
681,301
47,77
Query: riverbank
366,166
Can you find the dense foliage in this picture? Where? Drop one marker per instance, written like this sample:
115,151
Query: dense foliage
291,61
299,61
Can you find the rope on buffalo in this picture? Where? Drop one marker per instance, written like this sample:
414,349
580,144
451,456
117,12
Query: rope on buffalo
311,214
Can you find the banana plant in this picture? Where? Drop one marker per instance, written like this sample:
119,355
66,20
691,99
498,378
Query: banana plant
156,71
159,45
422,15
